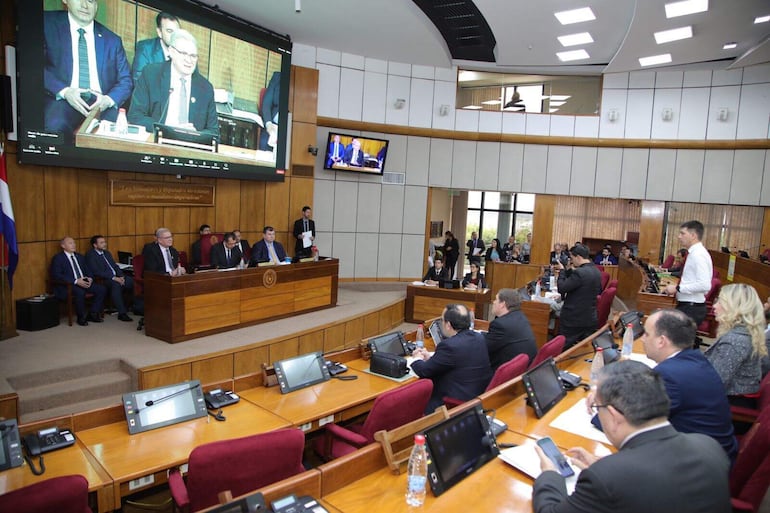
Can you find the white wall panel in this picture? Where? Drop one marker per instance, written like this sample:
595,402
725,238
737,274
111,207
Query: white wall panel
487,166
389,255
615,81
664,79
303,55
467,120
421,103
688,178
717,176
747,177
514,123
563,125
633,177
344,249
587,126
366,255
641,80
326,56
400,69
351,93
697,78
609,165
447,74
350,60
395,160
398,87
558,170
463,164
444,93
511,167
764,198
666,99
535,164
375,91
376,65
724,77
323,204
754,111
751,75
538,124
660,174
345,206
412,256
415,209
693,118
490,122
392,209
417,160
639,114
324,241
583,174
613,99
368,210
328,90
723,97
427,72
440,170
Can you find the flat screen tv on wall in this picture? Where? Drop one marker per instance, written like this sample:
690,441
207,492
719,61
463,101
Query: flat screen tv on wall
353,153
212,103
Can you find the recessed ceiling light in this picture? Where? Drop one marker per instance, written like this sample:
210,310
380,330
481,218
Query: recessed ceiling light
655,59
686,7
560,97
491,102
576,39
666,36
575,16
729,46
762,19
472,107
573,55
556,104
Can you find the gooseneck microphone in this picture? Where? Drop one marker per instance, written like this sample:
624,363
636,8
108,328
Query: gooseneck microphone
147,404
163,112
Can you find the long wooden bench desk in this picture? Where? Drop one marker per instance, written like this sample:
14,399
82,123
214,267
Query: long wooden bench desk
425,302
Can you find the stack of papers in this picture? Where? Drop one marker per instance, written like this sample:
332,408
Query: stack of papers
525,459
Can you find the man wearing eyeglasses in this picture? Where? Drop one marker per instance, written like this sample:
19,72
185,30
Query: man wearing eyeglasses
656,467
161,256
174,92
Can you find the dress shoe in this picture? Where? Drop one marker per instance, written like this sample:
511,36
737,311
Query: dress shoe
125,318
82,322
95,317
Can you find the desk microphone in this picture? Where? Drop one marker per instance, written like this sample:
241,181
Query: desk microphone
163,112
147,404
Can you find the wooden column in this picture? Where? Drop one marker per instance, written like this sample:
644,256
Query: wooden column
542,228
651,230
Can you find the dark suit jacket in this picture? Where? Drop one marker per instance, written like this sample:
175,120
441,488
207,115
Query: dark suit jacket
100,267
330,153
459,368
563,257
698,400
61,268
661,470
359,158
478,244
269,107
245,248
112,65
219,257
509,336
153,258
612,258
298,229
443,274
482,283
149,103
579,288
147,52
259,252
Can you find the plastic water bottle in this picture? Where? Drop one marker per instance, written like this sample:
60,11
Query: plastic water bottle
473,318
628,341
597,365
537,289
417,473
121,124
419,340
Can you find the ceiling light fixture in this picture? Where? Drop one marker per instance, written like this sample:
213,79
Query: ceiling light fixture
762,19
491,102
654,60
575,16
556,104
729,46
572,55
686,7
472,107
561,97
666,36
581,38
553,110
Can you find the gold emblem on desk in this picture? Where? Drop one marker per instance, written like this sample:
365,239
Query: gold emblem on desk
269,278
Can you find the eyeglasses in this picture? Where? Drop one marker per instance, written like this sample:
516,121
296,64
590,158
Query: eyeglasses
191,56
166,237
595,408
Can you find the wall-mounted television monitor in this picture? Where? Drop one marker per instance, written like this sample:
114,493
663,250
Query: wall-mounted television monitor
354,153
205,93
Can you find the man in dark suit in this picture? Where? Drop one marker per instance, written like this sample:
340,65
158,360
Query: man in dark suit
103,266
460,366
68,266
174,93
302,225
335,152
436,273
269,112
226,254
698,400
475,243
579,285
268,249
97,77
195,248
655,469
242,245
354,155
157,49
510,333
160,256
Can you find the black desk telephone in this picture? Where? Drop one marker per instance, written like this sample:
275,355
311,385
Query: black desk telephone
294,504
335,368
217,398
47,440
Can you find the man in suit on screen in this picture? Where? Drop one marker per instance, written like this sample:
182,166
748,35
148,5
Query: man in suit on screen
354,155
157,49
69,266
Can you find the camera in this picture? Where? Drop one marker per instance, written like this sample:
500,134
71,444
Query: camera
554,261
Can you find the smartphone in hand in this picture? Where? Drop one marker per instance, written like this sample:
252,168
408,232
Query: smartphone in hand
555,455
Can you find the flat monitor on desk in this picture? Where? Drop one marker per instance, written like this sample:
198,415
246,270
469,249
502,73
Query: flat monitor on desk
164,406
393,343
544,387
301,371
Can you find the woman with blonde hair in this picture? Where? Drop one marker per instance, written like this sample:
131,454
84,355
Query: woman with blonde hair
740,346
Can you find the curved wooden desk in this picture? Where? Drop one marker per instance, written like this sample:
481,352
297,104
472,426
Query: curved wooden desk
426,302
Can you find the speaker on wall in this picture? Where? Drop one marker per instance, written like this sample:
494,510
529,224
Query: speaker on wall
6,105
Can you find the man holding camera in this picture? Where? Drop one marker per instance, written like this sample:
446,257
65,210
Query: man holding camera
578,284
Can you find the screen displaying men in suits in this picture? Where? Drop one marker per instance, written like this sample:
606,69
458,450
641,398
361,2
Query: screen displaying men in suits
156,49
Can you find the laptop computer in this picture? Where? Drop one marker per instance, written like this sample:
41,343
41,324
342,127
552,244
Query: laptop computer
125,257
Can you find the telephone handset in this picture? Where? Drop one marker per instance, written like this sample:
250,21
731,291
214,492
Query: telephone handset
217,398
47,440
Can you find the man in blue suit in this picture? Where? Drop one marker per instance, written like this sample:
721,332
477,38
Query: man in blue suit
336,151
101,263
460,366
268,249
354,155
68,266
157,49
97,77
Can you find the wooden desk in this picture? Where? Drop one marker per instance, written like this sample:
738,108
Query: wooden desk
149,455
331,401
71,460
500,275
185,307
539,316
424,302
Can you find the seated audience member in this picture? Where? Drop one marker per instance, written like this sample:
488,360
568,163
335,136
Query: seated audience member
698,401
509,333
460,367
156,49
103,266
161,256
605,257
226,255
474,279
655,469
195,249
526,249
625,252
559,254
494,251
740,345
268,249
676,269
241,244
69,266
436,273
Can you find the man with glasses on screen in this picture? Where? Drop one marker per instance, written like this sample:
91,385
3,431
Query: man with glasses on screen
175,93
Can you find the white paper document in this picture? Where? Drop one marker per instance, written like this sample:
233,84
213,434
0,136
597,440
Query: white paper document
307,240
524,458
577,421
476,251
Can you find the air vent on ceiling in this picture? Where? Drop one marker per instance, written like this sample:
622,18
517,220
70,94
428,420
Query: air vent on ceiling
464,28
394,178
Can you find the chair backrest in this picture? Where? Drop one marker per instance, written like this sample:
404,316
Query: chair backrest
65,494
551,349
242,465
668,262
613,283
183,261
138,264
605,279
713,293
207,242
397,407
604,304
750,475
509,370
763,403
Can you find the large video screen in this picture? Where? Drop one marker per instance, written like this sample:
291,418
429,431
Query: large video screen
157,86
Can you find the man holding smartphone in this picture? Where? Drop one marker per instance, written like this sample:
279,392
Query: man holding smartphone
655,469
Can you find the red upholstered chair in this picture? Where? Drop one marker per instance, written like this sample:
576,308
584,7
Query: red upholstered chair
613,283
551,349
750,475
390,410
65,494
240,466
511,369
708,327
742,413
605,279
604,304
668,262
